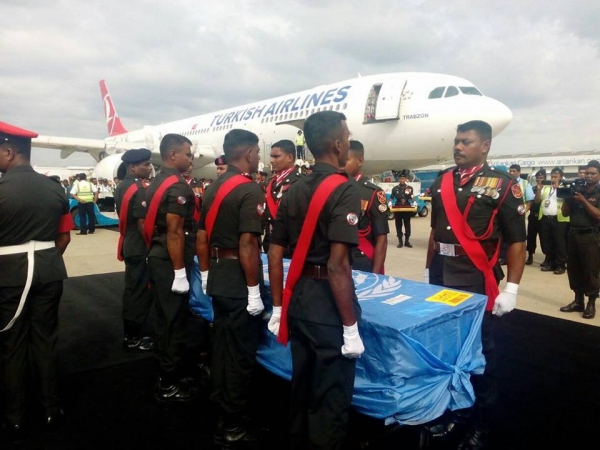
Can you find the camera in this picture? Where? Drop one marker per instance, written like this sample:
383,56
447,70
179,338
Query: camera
570,187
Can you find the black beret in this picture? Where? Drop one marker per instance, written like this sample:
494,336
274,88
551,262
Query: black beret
136,155
220,161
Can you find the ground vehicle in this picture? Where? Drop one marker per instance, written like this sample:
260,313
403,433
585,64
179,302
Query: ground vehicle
102,219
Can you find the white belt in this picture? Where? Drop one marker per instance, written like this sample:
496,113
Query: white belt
29,248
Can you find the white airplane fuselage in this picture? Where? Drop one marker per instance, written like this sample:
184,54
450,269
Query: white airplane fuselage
393,115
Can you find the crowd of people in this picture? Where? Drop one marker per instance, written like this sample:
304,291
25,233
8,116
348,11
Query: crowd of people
327,218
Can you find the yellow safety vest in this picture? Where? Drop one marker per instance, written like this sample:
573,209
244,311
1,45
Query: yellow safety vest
299,140
559,201
84,191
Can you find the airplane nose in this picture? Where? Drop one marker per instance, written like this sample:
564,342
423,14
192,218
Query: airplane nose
499,115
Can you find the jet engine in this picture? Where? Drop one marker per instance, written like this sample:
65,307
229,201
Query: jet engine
111,167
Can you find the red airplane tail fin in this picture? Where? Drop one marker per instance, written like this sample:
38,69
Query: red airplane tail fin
113,123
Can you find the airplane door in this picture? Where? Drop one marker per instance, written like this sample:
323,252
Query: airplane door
388,101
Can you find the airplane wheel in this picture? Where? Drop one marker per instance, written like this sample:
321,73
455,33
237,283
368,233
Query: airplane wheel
424,212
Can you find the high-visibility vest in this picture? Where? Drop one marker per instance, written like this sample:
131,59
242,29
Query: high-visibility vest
299,140
84,191
559,201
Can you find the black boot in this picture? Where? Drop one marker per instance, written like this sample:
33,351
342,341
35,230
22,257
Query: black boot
590,309
478,435
234,432
575,306
529,260
407,242
400,244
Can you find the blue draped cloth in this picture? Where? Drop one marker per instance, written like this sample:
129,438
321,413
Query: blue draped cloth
419,354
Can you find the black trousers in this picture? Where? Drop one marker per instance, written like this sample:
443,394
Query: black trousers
322,386
554,238
533,230
235,341
583,268
402,218
486,384
29,348
137,299
299,152
87,217
172,314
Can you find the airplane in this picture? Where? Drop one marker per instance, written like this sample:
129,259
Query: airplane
405,121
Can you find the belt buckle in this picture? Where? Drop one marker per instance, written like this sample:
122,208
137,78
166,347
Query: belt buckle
447,249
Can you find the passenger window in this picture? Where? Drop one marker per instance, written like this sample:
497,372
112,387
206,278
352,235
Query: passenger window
451,91
437,92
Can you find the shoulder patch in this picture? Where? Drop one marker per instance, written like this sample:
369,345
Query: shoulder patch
181,200
352,218
381,197
521,209
382,208
516,190
260,209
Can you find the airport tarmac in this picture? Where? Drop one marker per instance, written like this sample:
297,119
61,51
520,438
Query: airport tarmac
539,292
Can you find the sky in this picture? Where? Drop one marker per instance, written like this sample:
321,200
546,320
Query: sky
166,61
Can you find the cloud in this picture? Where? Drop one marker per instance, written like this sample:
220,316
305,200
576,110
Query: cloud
173,60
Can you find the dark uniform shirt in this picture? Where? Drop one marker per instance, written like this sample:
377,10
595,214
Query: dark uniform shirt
373,220
402,195
579,218
178,200
278,190
337,223
509,222
240,212
134,244
31,207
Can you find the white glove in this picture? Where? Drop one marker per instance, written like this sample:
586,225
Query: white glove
506,300
255,304
353,346
180,283
273,324
204,276
426,276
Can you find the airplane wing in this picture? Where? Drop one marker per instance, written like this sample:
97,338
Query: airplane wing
97,148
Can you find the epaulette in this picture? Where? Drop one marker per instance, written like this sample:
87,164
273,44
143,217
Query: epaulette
370,185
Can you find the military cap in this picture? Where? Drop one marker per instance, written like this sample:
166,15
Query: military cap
220,161
136,155
8,131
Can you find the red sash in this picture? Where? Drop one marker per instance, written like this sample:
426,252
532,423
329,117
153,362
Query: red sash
364,245
315,207
153,208
222,192
271,203
466,237
123,218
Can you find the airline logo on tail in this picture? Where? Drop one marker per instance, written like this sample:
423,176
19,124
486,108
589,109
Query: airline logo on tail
113,123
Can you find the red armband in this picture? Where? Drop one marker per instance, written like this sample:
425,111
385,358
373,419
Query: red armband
66,223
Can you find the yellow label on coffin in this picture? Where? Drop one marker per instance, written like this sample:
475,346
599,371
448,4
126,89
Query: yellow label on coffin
449,297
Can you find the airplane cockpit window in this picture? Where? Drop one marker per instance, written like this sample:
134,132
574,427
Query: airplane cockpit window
470,90
437,92
451,91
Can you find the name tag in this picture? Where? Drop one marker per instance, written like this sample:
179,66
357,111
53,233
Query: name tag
447,249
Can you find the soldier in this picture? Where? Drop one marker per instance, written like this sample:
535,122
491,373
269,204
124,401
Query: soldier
285,173
402,197
533,223
169,233
583,244
132,249
323,309
474,207
35,225
221,163
228,244
373,226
